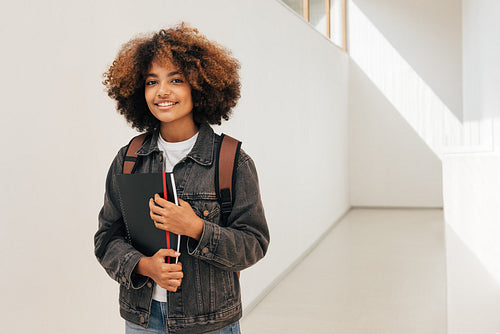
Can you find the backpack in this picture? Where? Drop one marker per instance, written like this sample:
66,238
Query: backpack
225,177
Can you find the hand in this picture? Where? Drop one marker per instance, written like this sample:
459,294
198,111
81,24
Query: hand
177,219
168,276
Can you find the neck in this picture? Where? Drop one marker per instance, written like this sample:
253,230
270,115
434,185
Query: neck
174,134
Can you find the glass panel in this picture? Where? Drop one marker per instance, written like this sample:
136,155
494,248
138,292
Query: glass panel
296,5
317,15
337,22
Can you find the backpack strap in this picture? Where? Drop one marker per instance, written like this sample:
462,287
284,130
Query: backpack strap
131,156
225,175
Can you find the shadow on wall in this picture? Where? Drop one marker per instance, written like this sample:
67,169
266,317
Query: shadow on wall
410,95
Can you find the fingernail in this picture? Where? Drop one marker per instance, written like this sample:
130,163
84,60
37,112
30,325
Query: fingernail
177,253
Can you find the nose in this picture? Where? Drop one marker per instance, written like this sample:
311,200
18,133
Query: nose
163,91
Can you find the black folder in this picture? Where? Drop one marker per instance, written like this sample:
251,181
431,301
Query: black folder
135,190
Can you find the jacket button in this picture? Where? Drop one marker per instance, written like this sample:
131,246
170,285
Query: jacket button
204,250
150,285
124,279
142,320
205,213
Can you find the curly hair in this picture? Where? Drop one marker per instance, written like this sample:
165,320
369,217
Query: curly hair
209,68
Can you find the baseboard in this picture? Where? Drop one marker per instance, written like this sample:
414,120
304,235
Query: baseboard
397,207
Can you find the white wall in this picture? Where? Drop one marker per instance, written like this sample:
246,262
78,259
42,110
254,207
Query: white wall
391,100
390,165
60,133
403,47
472,182
472,214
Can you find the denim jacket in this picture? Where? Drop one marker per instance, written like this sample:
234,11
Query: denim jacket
209,297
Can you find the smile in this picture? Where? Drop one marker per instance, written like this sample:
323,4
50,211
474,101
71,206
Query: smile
166,104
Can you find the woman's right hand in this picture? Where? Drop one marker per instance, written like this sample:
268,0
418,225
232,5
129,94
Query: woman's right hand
168,276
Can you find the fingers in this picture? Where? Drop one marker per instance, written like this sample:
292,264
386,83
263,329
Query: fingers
161,226
161,202
169,276
158,205
177,219
170,280
154,210
171,285
167,252
157,214
183,203
160,210
174,275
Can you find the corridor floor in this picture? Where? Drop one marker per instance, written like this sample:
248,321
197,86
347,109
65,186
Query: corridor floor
378,271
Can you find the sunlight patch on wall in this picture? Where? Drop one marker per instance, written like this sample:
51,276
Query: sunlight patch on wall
436,125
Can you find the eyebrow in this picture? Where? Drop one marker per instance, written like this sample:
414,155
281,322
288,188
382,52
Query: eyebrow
169,75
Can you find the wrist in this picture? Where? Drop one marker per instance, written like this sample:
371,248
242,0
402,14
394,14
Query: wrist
142,267
197,229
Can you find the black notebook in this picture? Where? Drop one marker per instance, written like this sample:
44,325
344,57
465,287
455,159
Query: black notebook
135,190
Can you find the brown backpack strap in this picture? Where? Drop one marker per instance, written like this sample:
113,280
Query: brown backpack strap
131,156
226,170
225,175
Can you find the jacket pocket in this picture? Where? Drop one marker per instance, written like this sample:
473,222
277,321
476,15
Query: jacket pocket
135,299
207,210
215,289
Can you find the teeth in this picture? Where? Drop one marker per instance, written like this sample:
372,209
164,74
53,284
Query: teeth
166,104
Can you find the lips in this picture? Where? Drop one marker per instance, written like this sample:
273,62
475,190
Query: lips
166,104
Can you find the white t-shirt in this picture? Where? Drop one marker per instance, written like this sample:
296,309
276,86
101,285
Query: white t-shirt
172,154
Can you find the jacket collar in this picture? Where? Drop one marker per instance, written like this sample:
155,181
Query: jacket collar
202,152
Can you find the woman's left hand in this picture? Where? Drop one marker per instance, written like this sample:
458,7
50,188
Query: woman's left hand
176,219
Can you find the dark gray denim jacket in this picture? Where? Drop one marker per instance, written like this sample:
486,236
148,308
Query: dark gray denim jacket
209,297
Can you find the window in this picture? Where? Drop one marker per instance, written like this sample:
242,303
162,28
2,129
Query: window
327,16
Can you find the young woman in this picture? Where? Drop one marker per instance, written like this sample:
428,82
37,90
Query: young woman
173,84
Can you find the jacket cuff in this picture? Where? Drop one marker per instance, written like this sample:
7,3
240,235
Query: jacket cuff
206,247
128,278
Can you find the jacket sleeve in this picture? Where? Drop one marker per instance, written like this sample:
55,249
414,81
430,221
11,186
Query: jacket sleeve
118,257
246,238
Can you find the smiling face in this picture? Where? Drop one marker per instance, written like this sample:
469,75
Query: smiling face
168,96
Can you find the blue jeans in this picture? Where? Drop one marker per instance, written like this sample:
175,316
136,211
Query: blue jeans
157,323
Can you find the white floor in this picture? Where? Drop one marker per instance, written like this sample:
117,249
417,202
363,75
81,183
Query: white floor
377,271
